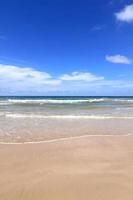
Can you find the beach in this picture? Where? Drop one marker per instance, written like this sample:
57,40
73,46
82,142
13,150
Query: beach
90,167
66,100
66,148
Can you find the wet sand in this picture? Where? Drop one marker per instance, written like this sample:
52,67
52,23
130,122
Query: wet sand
95,168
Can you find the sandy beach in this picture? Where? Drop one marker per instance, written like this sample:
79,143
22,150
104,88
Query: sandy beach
66,100
93,168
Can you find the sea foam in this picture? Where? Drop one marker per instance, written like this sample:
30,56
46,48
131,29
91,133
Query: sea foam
55,101
67,116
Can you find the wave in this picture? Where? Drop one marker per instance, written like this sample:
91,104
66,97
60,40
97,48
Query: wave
62,101
66,116
124,100
55,101
4,103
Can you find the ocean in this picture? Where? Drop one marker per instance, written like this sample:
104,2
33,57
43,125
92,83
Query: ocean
27,118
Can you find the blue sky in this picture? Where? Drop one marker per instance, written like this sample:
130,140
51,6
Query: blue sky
66,47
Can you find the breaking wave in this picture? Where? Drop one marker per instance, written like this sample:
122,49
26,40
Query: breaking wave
54,101
67,116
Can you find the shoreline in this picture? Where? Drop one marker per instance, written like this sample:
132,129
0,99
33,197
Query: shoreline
64,139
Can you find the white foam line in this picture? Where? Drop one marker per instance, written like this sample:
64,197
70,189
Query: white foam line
67,116
63,139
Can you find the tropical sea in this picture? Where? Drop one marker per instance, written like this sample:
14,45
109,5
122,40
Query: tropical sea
40,118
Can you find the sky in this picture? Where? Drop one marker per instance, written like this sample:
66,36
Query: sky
66,47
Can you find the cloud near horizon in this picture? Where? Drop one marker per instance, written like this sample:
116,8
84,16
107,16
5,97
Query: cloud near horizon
12,74
118,59
15,80
81,76
126,14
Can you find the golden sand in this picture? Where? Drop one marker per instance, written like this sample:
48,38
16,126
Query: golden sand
93,168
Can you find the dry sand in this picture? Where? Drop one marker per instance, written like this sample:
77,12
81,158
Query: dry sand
93,168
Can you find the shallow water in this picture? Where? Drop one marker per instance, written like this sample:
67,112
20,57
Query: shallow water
38,118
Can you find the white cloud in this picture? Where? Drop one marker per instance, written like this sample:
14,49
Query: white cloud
19,73
126,14
18,79
81,76
15,80
25,75
118,59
